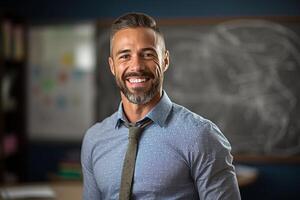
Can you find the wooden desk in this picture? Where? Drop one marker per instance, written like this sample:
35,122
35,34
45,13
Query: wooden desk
246,175
61,190
67,190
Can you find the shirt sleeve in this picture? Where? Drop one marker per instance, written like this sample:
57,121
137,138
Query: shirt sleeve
212,168
90,189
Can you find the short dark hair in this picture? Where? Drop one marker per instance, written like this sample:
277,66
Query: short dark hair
134,20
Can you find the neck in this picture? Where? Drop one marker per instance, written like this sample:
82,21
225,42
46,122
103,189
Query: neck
135,112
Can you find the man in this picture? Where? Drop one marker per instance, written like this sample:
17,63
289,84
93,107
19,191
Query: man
180,155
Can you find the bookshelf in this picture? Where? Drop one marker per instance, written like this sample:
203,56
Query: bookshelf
13,138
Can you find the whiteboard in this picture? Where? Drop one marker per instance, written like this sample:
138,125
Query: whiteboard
60,75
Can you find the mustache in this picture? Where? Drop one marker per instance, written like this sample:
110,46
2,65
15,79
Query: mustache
138,73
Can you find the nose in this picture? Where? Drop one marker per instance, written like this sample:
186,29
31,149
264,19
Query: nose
137,63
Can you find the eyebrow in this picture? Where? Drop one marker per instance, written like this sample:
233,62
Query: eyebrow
143,50
149,49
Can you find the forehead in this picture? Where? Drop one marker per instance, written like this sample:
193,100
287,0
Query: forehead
134,38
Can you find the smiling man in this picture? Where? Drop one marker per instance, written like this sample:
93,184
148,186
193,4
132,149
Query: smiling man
152,148
138,61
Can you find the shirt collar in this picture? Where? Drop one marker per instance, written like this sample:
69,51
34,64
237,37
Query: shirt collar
158,114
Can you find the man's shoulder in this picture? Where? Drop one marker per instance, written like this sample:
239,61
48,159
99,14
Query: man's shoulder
201,130
189,117
98,133
103,126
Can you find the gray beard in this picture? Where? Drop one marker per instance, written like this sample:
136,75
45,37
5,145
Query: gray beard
143,98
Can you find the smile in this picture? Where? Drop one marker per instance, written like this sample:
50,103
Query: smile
137,80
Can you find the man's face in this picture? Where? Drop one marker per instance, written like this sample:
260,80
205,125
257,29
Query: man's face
138,61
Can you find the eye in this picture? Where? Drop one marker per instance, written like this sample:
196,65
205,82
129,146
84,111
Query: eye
124,56
148,55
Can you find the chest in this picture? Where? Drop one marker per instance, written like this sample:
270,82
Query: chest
160,164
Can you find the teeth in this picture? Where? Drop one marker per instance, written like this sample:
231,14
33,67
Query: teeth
137,80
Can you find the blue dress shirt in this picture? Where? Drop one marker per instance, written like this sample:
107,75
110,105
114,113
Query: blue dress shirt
181,155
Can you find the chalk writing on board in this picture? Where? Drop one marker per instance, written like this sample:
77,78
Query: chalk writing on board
244,76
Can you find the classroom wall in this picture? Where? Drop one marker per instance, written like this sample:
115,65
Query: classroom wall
94,9
276,181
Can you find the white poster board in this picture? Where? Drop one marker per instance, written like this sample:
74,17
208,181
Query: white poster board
61,81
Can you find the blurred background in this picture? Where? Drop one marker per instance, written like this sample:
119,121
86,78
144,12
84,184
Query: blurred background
234,62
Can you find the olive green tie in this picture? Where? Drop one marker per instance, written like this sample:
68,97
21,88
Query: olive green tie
130,157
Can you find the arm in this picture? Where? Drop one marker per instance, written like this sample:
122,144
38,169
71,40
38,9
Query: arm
90,189
212,167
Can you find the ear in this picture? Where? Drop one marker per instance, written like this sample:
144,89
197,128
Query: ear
111,65
166,60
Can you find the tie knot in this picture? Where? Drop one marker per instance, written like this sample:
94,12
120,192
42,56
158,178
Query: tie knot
145,122
134,132
135,129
